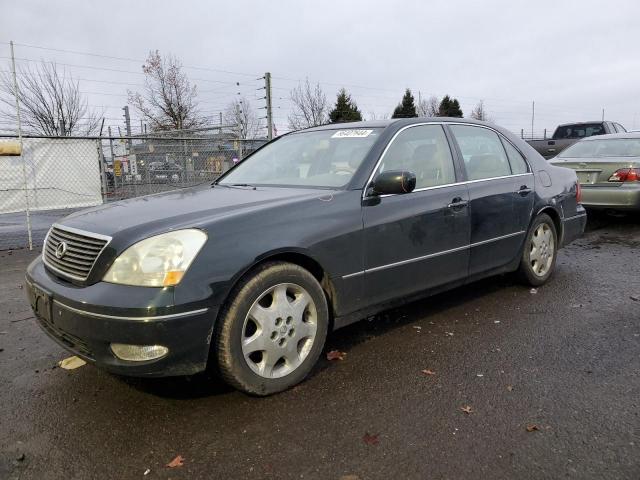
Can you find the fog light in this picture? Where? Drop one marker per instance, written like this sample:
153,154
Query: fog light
138,353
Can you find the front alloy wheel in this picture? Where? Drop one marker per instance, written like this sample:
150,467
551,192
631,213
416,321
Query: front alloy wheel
272,330
279,330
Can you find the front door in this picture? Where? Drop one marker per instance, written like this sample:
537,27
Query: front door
417,240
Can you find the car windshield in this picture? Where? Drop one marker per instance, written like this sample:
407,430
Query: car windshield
610,147
324,158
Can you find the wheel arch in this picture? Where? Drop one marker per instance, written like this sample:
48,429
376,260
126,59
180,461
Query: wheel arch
555,216
298,257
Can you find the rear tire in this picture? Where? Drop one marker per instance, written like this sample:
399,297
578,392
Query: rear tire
272,330
539,252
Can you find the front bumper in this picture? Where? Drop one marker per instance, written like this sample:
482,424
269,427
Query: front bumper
619,197
87,320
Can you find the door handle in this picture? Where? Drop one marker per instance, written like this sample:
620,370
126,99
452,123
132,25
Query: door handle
457,203
524,191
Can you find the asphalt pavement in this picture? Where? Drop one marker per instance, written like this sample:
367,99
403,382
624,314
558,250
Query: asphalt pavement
492,380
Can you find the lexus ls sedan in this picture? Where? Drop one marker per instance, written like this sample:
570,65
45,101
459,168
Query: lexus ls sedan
313,231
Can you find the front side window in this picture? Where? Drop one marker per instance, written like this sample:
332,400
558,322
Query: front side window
424,151
482,151
324,159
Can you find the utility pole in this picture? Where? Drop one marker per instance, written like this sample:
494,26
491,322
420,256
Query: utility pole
127,119
603,114
533,116
267,87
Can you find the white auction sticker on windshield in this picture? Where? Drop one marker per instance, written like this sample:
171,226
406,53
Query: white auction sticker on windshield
352,133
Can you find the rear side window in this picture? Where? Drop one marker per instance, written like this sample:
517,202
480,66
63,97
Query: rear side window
423,150
620,128
518,163
482,151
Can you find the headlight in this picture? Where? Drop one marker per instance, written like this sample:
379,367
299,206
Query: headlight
159,261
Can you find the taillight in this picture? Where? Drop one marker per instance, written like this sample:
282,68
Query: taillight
626,175
578,193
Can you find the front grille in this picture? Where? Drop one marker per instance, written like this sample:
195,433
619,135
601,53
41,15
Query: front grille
76,258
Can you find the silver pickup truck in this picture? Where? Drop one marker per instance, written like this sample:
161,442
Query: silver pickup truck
570,133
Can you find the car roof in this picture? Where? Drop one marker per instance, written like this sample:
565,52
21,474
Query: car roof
585,123
633,135
387,122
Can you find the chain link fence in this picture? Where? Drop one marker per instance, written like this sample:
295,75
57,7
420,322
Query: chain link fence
54,176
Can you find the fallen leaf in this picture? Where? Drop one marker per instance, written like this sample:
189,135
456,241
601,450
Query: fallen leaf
532,427
71,363
635,298
428,372
336,355
176,462
350,477
467,409
509,388
370,439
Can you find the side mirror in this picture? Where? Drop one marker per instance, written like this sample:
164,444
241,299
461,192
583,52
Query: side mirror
394,182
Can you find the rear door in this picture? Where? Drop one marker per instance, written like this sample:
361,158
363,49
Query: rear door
417,240
497,219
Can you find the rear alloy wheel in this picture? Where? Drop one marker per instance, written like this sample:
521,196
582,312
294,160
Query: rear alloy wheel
540,250
272,331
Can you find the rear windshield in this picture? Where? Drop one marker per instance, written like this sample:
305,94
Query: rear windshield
610,147
579,131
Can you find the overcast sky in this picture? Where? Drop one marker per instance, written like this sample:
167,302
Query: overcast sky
573,58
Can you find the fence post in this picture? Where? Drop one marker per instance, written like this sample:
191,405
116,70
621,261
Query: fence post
24,161
101,164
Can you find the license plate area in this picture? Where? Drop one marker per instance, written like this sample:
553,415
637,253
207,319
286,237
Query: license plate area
40,300
587,177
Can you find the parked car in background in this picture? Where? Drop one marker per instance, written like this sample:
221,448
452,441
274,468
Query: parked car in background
165,172
569,133
608,168
315,230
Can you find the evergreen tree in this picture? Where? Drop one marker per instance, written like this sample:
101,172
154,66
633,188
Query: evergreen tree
445,106
455,110
406,108
345,110
449,107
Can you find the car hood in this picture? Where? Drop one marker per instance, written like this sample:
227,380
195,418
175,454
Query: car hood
192,207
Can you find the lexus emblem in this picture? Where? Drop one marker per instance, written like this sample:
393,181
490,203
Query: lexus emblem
61,250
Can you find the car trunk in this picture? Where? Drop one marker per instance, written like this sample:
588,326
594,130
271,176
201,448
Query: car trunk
592,171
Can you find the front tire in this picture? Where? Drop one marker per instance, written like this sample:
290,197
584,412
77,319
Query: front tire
539,252
273,329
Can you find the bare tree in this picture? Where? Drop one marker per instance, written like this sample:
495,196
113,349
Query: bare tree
50,102
169,101
480,113
428,107
245,123
377,116
310,107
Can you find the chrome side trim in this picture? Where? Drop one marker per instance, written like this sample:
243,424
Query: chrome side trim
497,238
566,219
140,319
78,232
432,255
